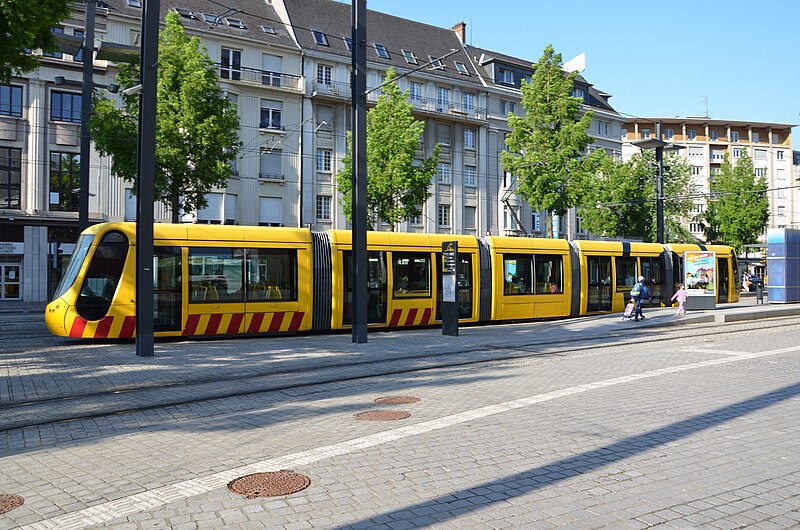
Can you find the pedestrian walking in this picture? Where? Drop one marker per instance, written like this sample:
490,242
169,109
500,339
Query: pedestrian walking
681,295
639,293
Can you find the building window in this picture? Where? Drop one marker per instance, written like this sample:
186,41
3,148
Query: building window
78,57
776,139
780,174
669,134
756,138
779,155
381,50
737,152
324,160
270,211
320,38
760,154
697,170
781,211
734,136
348,42
781,193
442,98
713,135
10,100
645,134
416,218
623,134
695,151
469,101
10,177
443,173
469,217
507,107
760,172
461,67
270,166
578,93
692,134
696,228
65,106
271,114
717,155
415,91
409,57
536,221
54,55
324,72
436,63
444,215
470,178
220,208
65,171
323,208
231,64
504,75
272,66
602,128
469,138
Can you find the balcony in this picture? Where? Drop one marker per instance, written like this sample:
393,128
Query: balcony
253,76
333,89
273,177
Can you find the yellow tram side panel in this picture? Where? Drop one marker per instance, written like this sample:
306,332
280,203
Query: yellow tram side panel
525,307
723,252
612,249
402,311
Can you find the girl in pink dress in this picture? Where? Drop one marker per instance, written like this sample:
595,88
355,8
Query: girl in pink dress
681,297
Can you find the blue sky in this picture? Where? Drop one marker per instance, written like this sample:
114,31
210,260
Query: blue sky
739,59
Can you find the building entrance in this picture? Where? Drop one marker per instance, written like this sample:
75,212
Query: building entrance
10,281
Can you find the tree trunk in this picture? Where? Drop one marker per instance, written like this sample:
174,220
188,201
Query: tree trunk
176,212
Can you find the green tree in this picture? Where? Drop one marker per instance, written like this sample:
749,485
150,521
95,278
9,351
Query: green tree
25,26
738,211
396,186
546,145
619,200
196,125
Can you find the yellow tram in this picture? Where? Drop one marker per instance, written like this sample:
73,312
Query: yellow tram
229,280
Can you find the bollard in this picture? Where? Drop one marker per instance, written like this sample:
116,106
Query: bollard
760,293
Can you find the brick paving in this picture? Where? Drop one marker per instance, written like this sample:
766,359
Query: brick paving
687,431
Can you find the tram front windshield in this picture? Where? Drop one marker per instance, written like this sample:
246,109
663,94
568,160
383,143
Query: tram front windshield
75,263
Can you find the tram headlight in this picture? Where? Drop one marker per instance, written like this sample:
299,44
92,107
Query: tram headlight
55,315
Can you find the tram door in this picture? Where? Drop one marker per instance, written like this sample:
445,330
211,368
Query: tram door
654,276
599,283
376,291
167,299
723,279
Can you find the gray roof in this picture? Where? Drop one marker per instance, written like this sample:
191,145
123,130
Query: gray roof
252,13
334,19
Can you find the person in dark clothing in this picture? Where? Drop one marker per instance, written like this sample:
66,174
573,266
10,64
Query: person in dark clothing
639,293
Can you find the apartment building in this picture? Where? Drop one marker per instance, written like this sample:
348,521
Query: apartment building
705,143
286,63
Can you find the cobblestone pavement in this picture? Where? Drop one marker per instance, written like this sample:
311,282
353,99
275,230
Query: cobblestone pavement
693,430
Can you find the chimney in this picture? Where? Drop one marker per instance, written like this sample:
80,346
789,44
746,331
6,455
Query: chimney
461,31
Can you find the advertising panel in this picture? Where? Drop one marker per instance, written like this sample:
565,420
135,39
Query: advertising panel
700,281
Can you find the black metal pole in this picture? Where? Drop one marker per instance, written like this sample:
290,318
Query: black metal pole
659,187
359,131
145,188
86,114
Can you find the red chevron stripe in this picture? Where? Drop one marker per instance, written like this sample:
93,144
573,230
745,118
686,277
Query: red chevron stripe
426,317
396,314
128,327
412,314
78,325
213,324
297,319
277,320
191,325
255,323
103,327
236,321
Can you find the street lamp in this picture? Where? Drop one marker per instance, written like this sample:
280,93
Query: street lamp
660,146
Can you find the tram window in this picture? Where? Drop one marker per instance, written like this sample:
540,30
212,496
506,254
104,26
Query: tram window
215,275
102,276
412,275
517,272
549,274
271,274
626,273
75,263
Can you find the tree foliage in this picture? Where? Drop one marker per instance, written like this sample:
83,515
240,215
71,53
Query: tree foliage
25,26
196,125
396,186
619,200
546,145
738,210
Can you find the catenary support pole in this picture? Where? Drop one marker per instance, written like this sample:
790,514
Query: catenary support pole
86,114
659,187
359,94
145,180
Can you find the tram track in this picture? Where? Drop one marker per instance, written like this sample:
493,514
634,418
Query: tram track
148,397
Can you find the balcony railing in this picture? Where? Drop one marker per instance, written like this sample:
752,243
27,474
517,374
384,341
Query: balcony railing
270,176
261,77
337,89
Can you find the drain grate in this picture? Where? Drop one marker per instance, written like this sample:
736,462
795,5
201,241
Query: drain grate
269,484
397,400
383,415
8,502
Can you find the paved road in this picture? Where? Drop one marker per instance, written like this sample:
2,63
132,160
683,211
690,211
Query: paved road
689,426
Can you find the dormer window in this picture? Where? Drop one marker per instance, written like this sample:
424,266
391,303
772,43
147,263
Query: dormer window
211,19
185,13
235,23
436,63
462,68
320,38
348,41
505,75
578,93
409,57
134,3
381,50
269,30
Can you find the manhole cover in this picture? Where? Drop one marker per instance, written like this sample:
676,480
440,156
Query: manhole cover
270,484
8,502
383,415
397,400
